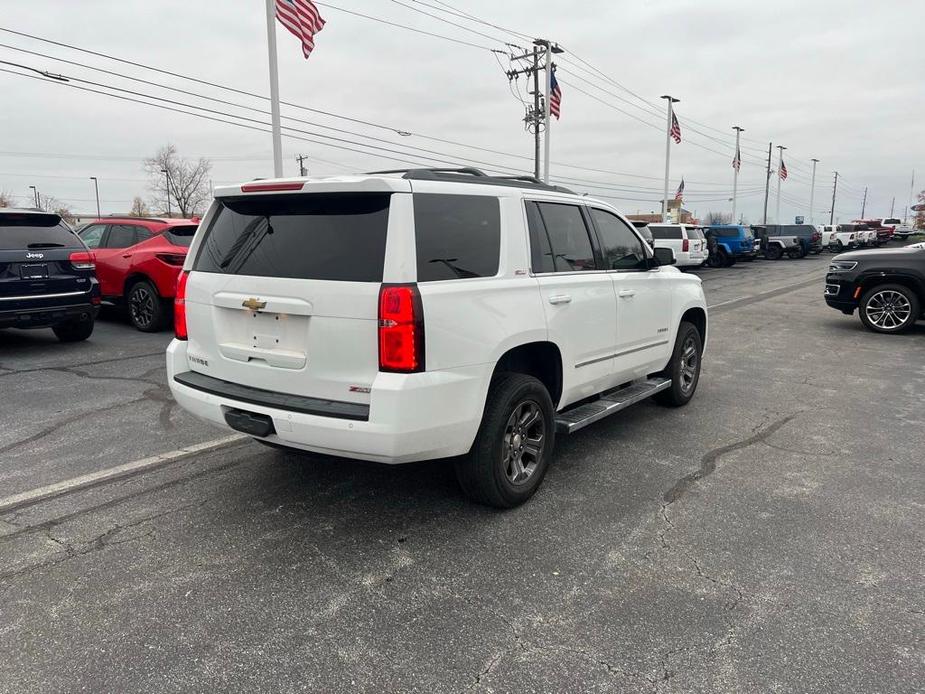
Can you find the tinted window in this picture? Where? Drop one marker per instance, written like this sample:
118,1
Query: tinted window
892,222
142,234
92,235
695,233
724,231
540,252
322,237
665,232
620,247
120,236
568,237
19,231
181,235
456,236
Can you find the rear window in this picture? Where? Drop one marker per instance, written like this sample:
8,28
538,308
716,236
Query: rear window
665,232
892,222
456,236
319,237
21,231
725,231
181,235
695,234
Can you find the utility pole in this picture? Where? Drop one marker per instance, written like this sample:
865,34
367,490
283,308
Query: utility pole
735,176
303,172
834,189
535,116
812,191
35,196
911,193
892,205
767,185
96,184
864,204
780,164
671,102
167,174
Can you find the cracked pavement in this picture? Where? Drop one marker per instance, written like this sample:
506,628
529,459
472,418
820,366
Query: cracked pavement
768,537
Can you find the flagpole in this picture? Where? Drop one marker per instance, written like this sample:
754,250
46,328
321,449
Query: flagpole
779,164
548,120
812,191
671,102
735,177
274,90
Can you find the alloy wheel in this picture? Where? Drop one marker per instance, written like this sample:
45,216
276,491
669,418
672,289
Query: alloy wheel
141,306
888,309
689,363
523,442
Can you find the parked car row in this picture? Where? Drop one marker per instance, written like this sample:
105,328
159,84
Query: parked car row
54,277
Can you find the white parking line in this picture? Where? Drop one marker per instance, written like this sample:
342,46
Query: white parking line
144,465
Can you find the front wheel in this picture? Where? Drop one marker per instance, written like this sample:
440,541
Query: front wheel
684,367
514,443
889,308
794,253
773,252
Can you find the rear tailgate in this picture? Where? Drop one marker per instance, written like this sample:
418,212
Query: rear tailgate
283,292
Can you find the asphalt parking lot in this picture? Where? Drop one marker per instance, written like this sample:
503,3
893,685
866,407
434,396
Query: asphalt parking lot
768,537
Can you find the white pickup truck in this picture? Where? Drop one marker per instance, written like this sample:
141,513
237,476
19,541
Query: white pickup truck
428,313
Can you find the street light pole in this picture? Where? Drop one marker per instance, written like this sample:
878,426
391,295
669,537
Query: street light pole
167,174
779,163
812,191
96,184
735,177
671,102
35,196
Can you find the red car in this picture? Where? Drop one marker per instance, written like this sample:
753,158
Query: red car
137,263
884,232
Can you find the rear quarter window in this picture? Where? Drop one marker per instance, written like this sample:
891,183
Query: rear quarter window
181,235
339,237
665,232
456,236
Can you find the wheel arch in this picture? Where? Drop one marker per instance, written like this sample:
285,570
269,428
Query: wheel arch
541,359
914,284
697,316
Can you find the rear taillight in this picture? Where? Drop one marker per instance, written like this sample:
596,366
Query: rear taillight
401,329
172,258
685,246
81,260
179,307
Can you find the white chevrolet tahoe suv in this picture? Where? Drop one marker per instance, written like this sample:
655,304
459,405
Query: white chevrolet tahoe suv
428,313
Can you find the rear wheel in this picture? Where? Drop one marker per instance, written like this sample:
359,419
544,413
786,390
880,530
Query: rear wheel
722,258
73,330
773,252
514,444
684,367
889,308
146,310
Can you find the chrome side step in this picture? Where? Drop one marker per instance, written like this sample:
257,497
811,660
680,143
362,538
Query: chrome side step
612,401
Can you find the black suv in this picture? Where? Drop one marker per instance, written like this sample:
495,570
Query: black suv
888,286
47,277
810,237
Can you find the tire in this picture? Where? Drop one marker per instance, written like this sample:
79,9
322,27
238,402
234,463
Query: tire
494,472
73,330
841,246
889,308
794,253
146,310
773,252
684,367
722,258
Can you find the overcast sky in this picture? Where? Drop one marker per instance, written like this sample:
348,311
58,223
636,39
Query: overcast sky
839,80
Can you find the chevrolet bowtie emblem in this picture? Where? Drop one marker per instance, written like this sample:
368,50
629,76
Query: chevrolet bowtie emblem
254,304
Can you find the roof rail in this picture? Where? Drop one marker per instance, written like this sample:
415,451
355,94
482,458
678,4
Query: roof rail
472,175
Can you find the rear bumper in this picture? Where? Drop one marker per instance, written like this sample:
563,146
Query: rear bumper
46,316
410,417
690,259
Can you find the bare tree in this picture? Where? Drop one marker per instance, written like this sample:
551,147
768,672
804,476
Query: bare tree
718,218
52,204
139,208
6,199
179,185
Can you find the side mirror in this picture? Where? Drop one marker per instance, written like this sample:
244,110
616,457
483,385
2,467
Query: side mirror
663,256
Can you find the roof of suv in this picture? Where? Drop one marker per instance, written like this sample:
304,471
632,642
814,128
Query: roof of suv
157,222
28,211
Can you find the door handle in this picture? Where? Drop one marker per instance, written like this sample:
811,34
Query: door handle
126,255
560,299
627,293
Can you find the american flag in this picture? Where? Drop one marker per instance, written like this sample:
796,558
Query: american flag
675,131
555,96
302,19
680,194
737,162
783,171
